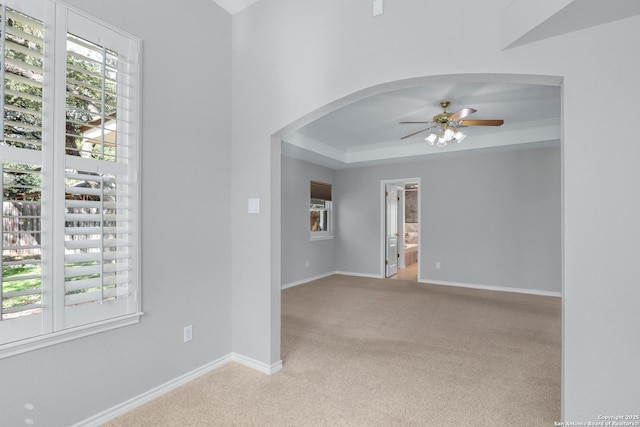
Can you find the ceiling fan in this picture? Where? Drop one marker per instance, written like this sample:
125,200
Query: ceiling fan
448,123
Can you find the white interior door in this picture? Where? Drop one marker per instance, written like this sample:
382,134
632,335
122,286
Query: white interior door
401,203
391,258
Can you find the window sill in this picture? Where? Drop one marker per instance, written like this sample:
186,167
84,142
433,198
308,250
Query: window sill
29,344
322,237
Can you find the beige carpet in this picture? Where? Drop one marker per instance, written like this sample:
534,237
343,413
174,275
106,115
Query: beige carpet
372,352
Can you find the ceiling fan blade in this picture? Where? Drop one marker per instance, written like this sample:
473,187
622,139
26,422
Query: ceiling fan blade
415,133
481,122
461,114
404,123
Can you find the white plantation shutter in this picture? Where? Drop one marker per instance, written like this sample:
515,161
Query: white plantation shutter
97,248
21,91
69,156
99,243
22,79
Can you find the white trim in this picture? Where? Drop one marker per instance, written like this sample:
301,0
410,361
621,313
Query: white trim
320,237
428,282
98,21
307,280
257,365
45,340
494,288
349,273
139,400
331,273
124,407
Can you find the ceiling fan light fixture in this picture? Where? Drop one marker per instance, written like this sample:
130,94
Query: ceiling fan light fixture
448,134
445,123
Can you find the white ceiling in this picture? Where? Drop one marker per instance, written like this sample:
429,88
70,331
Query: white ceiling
368,131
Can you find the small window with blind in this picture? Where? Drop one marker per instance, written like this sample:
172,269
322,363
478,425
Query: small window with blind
320,211
70,239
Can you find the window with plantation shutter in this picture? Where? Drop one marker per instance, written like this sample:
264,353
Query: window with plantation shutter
98,180
70,245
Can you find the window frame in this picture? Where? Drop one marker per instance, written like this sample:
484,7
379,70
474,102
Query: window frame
324,195
56,15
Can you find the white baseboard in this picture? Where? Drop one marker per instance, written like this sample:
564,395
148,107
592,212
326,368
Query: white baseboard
307,280
124,407
257,365
493,288
331,273
349,273
264,369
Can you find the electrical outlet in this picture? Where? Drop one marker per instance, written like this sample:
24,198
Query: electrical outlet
438,264
307,263
188,333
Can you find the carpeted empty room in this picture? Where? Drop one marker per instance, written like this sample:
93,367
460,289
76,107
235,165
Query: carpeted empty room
377,352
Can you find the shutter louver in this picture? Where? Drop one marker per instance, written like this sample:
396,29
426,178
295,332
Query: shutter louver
22,76
96,238
92,100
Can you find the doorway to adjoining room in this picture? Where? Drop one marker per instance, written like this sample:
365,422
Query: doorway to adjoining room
401,229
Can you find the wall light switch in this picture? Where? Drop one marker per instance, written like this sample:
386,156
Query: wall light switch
378,7
254,206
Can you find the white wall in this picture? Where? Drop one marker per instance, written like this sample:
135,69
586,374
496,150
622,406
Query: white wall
297,248
494,220
292,58
491,218
185,228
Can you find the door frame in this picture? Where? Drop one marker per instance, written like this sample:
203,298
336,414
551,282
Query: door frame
392,265
383,221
